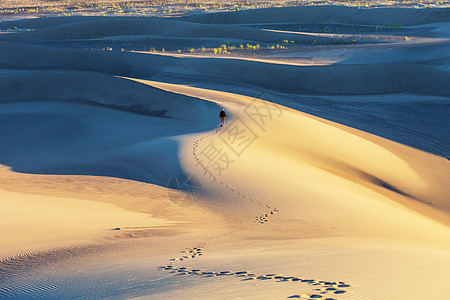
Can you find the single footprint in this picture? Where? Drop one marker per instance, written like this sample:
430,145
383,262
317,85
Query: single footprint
240,272
246,279
339,292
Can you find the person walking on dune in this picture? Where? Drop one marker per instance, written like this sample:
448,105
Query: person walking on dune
222,117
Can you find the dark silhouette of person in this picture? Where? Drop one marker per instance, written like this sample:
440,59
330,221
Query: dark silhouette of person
222,116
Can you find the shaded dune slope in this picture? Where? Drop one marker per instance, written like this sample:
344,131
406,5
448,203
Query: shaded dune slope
85,123
120,26
72,138
334,79
99,88
328,14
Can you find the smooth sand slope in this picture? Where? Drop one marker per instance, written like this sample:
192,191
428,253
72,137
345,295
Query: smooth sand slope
327,182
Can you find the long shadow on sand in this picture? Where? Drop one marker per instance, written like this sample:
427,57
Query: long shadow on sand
66,138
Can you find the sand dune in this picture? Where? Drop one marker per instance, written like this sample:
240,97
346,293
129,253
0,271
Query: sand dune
327,182
328,14
99,88
431,53
347,157
336,79
106,27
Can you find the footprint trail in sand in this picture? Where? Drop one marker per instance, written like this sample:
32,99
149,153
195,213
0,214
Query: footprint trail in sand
263,217
323,289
